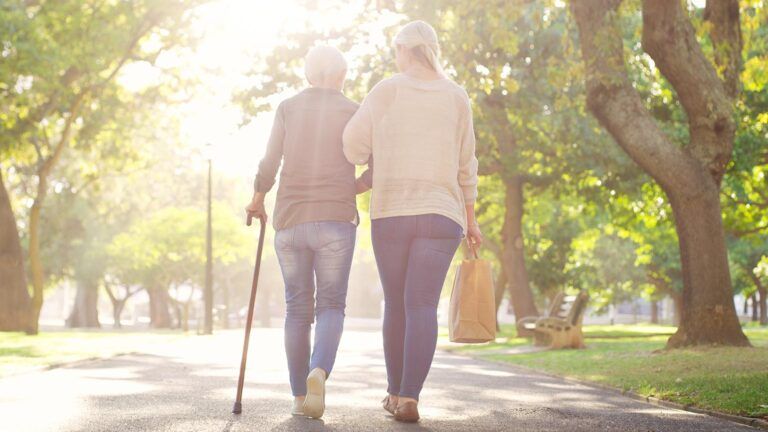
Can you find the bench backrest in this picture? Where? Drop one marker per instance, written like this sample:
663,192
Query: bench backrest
578,307
566,304
556,308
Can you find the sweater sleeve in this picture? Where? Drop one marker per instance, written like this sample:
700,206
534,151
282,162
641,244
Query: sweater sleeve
269,165
358,135
467,159
367,176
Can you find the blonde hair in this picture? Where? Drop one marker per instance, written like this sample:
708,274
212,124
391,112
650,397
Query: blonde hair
420,39
324,62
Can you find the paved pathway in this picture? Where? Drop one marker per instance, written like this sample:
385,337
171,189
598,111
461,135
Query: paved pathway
190,385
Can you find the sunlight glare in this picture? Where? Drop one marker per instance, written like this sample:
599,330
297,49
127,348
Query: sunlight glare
234,34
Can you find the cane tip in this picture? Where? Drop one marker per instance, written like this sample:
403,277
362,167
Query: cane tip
238,408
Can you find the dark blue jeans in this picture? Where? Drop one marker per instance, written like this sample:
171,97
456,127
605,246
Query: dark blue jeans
309,252
413,254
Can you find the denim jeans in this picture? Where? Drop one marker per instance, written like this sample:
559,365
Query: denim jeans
413,254
309,253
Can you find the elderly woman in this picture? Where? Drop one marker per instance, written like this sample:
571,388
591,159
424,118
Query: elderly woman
315,219
417,127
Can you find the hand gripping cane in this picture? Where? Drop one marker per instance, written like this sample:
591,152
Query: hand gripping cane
238,408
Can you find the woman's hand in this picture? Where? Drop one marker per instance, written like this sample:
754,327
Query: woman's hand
361,186
255,209
474,237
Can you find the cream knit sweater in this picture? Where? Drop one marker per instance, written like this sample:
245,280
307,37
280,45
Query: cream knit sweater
422,140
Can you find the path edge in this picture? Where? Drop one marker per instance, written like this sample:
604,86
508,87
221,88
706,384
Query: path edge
747,421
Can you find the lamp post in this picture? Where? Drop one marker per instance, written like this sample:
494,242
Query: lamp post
208,290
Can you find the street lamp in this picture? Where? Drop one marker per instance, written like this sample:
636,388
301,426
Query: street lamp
208,290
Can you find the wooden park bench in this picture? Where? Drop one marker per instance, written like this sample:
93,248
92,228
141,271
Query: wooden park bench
561,328
527,325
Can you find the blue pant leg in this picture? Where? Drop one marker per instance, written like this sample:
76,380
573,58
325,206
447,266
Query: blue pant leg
391,239
429,260
296,260
334,246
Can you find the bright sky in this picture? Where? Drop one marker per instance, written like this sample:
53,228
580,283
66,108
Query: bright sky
235,34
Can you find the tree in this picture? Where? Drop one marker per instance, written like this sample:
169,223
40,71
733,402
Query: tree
690,176
167,251
14,299
118,301
15,302
747,254
75,250
745,191
518,62
64,76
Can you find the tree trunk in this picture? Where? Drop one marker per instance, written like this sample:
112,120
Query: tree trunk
501,286
177,312
690,175
159,314
709,313
755,312
118,303
513,246
760,296
84,312
15,305
635,311
654,312
117,311
183,308
35,260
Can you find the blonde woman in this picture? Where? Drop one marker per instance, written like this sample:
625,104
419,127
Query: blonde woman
417,127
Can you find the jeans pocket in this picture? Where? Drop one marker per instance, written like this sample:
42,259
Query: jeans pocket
284,238
444,228
336,236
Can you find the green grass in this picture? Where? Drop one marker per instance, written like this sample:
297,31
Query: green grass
20,352
730,380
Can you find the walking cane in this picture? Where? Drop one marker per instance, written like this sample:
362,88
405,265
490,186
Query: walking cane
238,408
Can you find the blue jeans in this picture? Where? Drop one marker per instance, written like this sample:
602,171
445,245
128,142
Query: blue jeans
309,252
413,254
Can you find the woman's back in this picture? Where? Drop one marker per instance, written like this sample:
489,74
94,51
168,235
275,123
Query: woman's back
420,134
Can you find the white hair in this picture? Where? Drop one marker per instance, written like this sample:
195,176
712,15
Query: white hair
421,39
322,62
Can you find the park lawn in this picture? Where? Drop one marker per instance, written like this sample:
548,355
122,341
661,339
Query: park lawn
21,353
729,380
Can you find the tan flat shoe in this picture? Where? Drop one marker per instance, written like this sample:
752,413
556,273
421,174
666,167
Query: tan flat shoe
298,407
407,412
389,404
314,402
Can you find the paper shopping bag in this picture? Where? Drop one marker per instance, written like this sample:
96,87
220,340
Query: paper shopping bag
472,315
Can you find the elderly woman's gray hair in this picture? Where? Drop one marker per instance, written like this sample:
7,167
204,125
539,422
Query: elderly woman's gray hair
323,62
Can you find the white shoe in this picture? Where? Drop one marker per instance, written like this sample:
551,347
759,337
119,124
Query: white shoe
314,403
298,407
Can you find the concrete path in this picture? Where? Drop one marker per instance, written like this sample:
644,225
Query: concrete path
190,386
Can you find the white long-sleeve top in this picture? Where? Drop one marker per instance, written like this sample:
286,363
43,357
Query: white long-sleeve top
422,140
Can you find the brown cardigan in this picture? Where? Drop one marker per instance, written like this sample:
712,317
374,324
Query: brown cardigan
317,183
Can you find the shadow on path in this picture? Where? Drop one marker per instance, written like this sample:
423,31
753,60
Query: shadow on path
190,386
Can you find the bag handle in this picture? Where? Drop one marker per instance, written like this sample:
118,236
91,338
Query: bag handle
473,248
